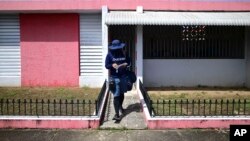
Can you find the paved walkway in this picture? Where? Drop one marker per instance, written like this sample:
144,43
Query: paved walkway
133,117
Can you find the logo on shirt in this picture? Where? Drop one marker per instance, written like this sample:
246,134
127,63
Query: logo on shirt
118,59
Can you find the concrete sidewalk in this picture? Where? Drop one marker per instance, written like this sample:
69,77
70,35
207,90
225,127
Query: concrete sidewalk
113,135
133,117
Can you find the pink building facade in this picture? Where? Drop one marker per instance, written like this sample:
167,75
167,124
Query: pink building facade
50,49
91,5
64,42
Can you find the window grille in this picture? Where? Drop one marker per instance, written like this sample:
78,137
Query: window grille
197,32
212,42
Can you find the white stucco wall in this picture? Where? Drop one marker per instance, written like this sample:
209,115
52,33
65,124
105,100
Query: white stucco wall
194,72
91,81
10,81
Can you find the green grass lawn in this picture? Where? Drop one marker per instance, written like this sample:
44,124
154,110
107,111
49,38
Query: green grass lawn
48,101
48,93
199,94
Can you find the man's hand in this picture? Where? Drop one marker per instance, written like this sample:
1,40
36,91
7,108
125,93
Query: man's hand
115,66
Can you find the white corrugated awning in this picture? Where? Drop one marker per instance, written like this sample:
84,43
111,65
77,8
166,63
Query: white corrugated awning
178,18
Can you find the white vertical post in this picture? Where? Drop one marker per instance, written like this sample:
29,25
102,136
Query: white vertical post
247,55
104,40
139,54
139,50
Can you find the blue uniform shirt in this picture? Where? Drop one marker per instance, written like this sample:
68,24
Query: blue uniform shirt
120,59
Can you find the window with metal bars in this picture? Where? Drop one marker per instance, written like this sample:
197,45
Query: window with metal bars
217,42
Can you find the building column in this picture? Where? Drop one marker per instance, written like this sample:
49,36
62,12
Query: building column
139,50
139,54
104,40
247,54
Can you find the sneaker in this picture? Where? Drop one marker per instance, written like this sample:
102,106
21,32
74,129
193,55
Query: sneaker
116,117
